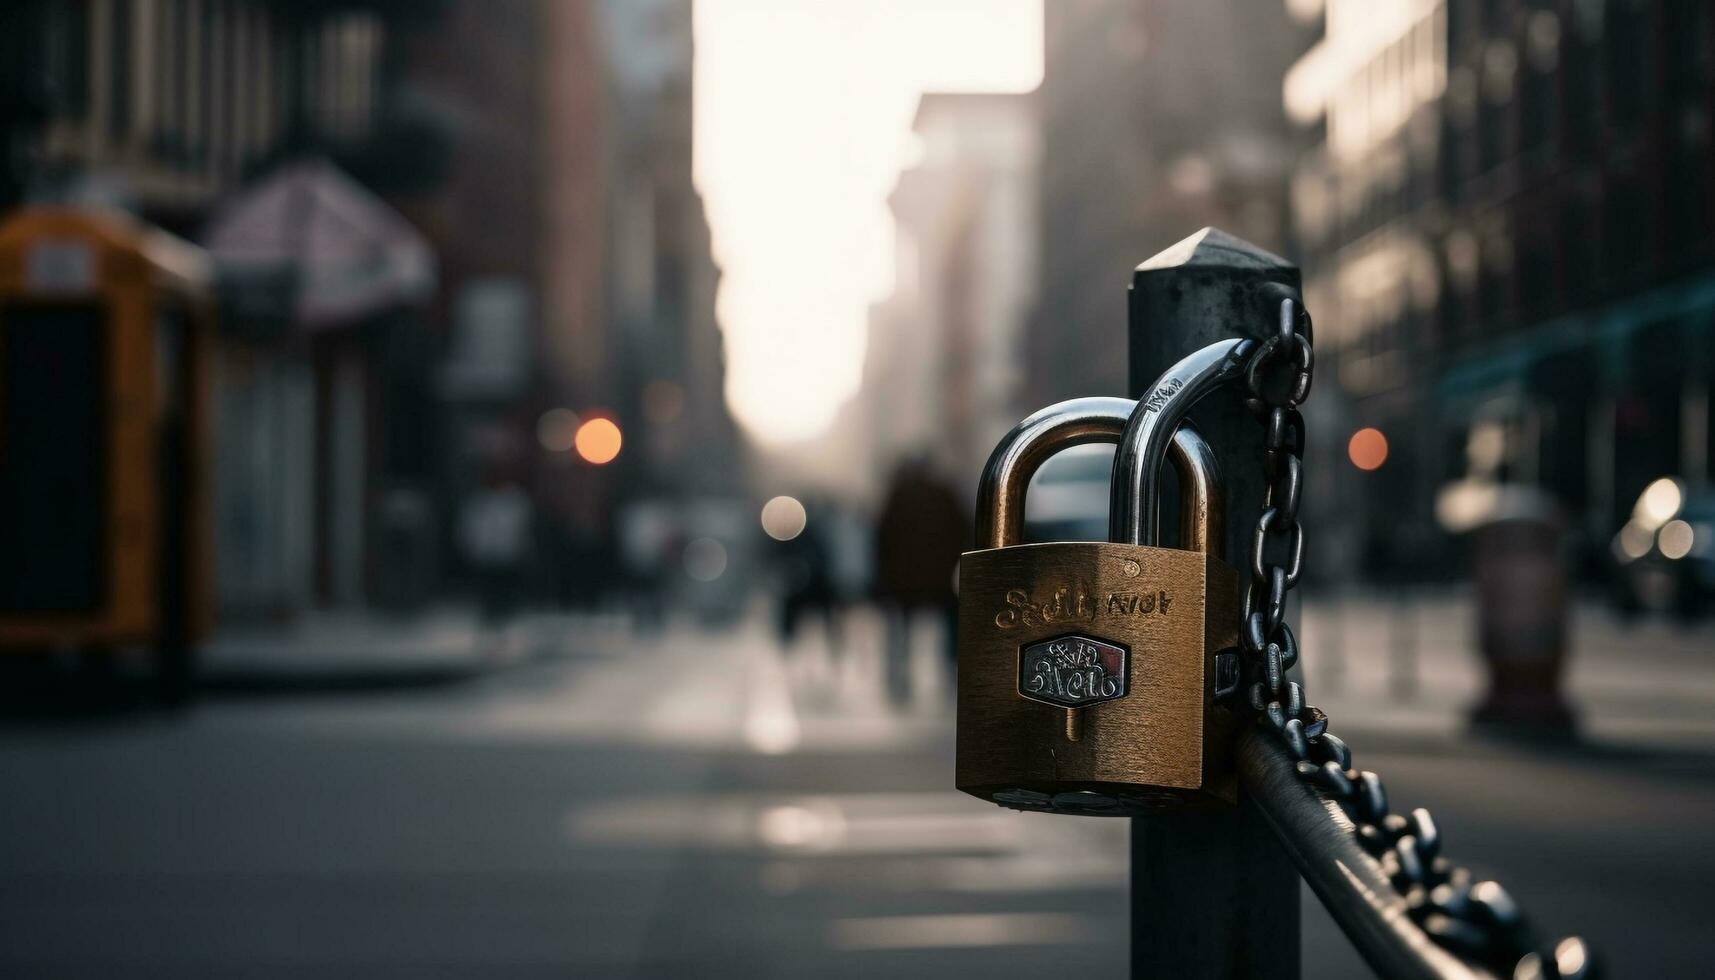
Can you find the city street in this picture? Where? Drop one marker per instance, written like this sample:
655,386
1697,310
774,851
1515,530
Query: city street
458,460
604,804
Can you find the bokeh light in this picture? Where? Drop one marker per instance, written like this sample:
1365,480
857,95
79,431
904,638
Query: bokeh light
1367,449
1462,505
1570,957
1633,541
598,441
557,430
705,559
1486,447
1676,539
1659,502
783,518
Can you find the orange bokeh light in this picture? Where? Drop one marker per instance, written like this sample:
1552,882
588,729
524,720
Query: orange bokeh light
1367,449
598,441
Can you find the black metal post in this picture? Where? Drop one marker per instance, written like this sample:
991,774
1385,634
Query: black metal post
1212,895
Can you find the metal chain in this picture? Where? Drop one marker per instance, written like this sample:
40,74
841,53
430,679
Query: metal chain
1476,920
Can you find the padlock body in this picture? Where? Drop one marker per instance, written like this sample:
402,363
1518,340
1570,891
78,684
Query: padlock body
1087,678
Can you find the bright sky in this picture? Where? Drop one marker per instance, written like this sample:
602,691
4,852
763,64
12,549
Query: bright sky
803,115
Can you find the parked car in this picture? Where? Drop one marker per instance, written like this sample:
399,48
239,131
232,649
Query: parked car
1068,499
1664,555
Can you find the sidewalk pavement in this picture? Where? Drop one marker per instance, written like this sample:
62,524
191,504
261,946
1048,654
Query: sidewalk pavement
363,648
1410,668
770,806
1400,668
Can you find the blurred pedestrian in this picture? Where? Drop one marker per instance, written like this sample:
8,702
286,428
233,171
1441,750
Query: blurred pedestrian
649,540
922,529
494,535
851,559
805,566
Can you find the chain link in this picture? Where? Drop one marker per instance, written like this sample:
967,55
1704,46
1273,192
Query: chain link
1476,920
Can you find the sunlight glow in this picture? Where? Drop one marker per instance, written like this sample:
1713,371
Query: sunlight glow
802,121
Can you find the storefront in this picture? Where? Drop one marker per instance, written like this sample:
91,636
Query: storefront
319,378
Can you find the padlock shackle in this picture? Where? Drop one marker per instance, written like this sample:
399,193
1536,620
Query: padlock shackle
1134,504
1081,421
1202,492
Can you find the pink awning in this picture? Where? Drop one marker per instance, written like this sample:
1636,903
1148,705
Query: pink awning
347,253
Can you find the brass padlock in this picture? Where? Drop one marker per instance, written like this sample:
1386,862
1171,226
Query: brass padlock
1087,678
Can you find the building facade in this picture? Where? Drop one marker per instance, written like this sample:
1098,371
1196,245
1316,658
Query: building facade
163,106
1505,216
577,278
665,368
539,149
177,110
577,274
1158,118
943,369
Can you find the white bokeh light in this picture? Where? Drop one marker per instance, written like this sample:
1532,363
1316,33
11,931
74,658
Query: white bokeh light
783,518
705,559
1659,502
1675,539
1633,541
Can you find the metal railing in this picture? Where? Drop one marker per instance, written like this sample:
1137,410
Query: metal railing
1322,842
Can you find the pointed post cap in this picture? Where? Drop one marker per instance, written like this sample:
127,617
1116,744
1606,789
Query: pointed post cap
1212,248
1211,286
1203,289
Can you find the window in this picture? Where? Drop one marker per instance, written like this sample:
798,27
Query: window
119,49
53,355
67,54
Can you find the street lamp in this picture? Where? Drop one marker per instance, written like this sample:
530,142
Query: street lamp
1367,449
598,441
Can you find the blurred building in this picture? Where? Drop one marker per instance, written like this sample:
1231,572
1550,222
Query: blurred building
163,106
1505,213
942,372
664,367
480,102
577,274
579,279
1158,118
323,482
217,119
552,254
